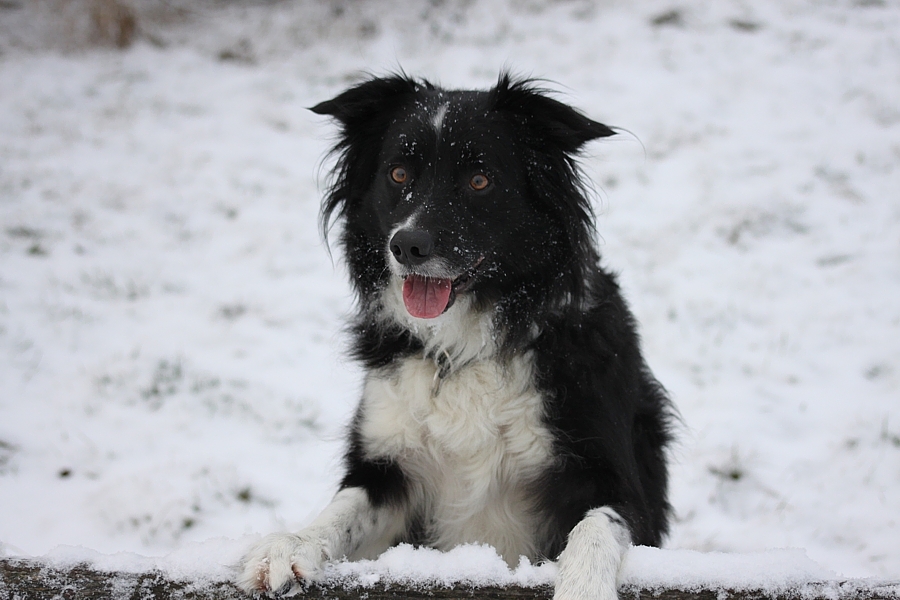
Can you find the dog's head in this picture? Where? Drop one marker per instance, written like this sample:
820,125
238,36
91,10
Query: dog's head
448,193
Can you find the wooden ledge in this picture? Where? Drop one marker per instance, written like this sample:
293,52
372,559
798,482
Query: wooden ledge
26,579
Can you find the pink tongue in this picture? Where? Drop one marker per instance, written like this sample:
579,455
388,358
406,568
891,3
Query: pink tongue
425,297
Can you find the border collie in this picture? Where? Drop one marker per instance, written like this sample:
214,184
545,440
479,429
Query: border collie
506,400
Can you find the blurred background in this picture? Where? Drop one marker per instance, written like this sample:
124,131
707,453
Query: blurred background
171,355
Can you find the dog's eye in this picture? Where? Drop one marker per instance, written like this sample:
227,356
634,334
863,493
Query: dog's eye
479,182
399,175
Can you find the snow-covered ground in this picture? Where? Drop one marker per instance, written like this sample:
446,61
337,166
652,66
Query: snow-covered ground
171,366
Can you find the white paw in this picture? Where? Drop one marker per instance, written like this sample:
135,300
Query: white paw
282,564
584,585
589,566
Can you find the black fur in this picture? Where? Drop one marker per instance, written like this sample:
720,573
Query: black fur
540,278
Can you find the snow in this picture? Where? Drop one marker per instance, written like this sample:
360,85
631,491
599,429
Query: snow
468,564
172,377
771,570
213,560
644,568
204,562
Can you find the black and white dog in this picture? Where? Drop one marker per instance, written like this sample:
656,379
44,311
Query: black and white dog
506,400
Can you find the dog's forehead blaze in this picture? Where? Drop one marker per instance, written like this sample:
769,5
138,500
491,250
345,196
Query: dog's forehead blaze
437,119
445,126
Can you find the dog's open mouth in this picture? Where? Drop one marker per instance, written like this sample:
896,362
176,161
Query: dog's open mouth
429,297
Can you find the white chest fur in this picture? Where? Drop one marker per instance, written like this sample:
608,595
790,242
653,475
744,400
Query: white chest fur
470,451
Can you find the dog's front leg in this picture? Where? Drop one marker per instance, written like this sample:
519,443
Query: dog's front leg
283,562
589,565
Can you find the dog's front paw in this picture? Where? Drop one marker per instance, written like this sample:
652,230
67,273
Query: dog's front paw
584,584
282,564
589,565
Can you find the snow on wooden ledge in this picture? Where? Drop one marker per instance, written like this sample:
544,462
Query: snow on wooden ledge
404,572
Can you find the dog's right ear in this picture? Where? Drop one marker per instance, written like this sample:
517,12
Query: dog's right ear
365,101
364,112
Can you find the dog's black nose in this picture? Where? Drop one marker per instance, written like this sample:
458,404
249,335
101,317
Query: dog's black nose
411,246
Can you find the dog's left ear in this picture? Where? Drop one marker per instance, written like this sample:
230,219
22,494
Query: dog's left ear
565,127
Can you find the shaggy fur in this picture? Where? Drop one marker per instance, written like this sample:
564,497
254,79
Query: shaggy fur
506,400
